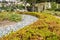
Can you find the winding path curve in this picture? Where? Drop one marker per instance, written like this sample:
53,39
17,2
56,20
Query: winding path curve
27,19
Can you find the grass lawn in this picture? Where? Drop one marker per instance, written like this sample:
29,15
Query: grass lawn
46,28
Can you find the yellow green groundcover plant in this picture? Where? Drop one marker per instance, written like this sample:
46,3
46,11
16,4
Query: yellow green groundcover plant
46,28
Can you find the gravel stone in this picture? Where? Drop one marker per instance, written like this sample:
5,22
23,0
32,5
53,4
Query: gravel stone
26,20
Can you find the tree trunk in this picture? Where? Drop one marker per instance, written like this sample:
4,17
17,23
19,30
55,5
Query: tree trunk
25,4
49,5
33,7
25,7
40,7
45,5
57,5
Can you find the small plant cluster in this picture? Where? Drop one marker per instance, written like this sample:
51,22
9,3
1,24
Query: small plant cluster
46,28
10,16
56,13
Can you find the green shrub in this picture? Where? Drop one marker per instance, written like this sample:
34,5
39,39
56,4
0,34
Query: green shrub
14,17
10,16
53,6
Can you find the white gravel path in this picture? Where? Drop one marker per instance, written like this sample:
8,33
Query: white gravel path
27,19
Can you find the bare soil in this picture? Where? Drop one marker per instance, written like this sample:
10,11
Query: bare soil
5,23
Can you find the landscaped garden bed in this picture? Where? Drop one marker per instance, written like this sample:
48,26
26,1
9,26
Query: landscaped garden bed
46,28
16,22
7,18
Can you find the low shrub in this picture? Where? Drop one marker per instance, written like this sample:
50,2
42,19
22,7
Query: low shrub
10,16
